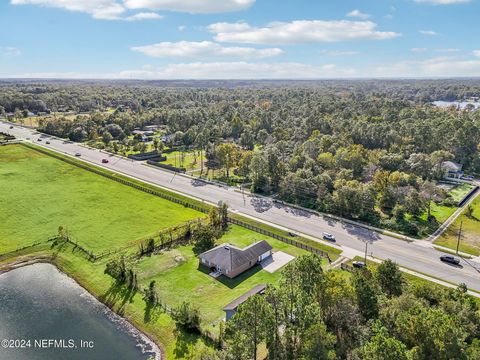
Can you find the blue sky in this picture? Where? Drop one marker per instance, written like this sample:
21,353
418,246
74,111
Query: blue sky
201,39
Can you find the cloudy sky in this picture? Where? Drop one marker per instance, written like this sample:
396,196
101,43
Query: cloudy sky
239,39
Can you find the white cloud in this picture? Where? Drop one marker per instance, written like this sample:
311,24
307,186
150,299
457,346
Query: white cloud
447,50
439,67
144,16
428,32
240,70
338,53
182,28
418,50
433,67
358,14
191,6
99,9
10,51
442,2
214,70
117,9
299,31
476,53
203,49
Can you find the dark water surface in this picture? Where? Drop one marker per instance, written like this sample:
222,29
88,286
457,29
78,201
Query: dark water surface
49,314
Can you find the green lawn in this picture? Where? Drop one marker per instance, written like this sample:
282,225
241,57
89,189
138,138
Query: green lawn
40,193
43,193
470,240
459,191
159,326
190,162
179,278
441,214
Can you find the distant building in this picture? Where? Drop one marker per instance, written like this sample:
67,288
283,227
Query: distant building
452,170
151,127
167,138
231,261
231,308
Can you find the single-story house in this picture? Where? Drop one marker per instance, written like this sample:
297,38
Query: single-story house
231,261
452,170
231,308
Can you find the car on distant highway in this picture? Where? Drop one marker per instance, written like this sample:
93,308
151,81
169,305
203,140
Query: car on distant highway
450,259
47,142
39,139
328,236
11,126
359,264
104,161
78,154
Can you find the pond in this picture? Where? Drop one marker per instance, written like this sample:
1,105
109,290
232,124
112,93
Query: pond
45,315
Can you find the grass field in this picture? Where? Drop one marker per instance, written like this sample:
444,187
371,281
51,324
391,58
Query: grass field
43,193
189,162
470,239
160,326
179,278
40,193
460,191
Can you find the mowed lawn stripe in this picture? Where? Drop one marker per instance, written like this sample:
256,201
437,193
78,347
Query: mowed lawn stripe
39,193
179,277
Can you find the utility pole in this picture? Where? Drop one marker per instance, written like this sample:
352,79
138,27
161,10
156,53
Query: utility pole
459,235
243,193
366,246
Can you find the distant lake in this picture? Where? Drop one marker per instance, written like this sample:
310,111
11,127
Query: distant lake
38,302
458,104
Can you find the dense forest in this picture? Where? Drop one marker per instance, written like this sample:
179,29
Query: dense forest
366,150
374,315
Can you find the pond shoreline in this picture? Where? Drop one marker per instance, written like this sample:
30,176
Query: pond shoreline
48,259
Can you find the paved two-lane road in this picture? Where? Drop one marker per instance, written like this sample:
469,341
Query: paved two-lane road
417,256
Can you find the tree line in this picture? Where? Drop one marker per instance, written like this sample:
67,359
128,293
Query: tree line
373,315
365,150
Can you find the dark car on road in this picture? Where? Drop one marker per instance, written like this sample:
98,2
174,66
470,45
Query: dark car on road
11,126
359,264
39,139
104,161
48,142
328,237
78,154
450,259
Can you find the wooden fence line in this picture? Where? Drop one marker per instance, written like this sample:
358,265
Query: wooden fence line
122,181
280,237
172,199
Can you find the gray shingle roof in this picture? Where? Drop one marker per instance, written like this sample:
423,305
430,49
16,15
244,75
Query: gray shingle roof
240,300
229,257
